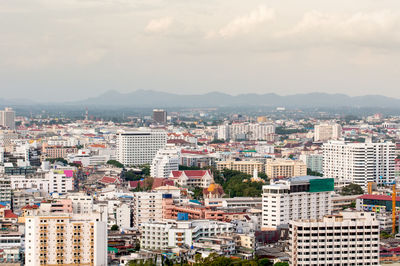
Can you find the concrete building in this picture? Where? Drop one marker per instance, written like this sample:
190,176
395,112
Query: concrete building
242,166
7,118
165,161
147,207
81,202
327,131
5,189
139,147
171,233
251,131
281,168
315,162
359,163
65,239
160,116
303,197
350,238
192,178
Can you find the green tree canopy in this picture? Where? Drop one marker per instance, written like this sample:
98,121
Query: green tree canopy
115,163
352,189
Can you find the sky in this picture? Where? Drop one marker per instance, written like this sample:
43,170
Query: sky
65,50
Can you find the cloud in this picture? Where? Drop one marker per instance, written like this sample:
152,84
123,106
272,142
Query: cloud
365,29
246,23
159,25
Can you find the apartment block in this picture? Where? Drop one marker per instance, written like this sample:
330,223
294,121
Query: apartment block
65,239
147,207
359,163
171,233
350,238
139,147
281,168
304,197
242,166
327,131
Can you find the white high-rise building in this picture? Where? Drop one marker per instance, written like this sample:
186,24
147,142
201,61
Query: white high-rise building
327,131
250,131
303,197
165,161
359,163
65,239
223,131
139,147
7,118
350,238
147,207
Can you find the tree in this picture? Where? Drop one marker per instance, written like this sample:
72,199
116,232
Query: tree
265,262
184,167
281,264
313,173
115,163
352,189
215,141
114,227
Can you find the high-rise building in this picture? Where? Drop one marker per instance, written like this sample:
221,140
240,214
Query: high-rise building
303,197
139,147
147,207
314,162
65,239
223,131
160,116
359,163
281,168
327,131
350,238
165,161
7,118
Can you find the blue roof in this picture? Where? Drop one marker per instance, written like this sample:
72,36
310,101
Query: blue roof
195,201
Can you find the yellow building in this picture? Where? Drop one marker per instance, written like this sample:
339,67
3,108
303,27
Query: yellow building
242,166
281,168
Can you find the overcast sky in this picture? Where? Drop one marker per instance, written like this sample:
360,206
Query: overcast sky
57,50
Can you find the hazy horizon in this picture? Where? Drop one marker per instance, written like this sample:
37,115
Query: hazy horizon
67,50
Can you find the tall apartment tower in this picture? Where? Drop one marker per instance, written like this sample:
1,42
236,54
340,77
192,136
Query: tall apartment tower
165,161
147,207
7,118
359,163
327,131
350,238
65,239
139,147
160,116
303,197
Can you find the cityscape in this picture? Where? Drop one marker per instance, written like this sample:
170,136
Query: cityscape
184,189
191,133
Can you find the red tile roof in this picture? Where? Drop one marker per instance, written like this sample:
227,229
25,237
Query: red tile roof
159,182
134,184
9,214
192,174
108,180
30,207
378,197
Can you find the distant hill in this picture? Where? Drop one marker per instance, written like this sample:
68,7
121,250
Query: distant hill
148,98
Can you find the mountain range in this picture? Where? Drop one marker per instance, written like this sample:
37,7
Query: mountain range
148,98
153,99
